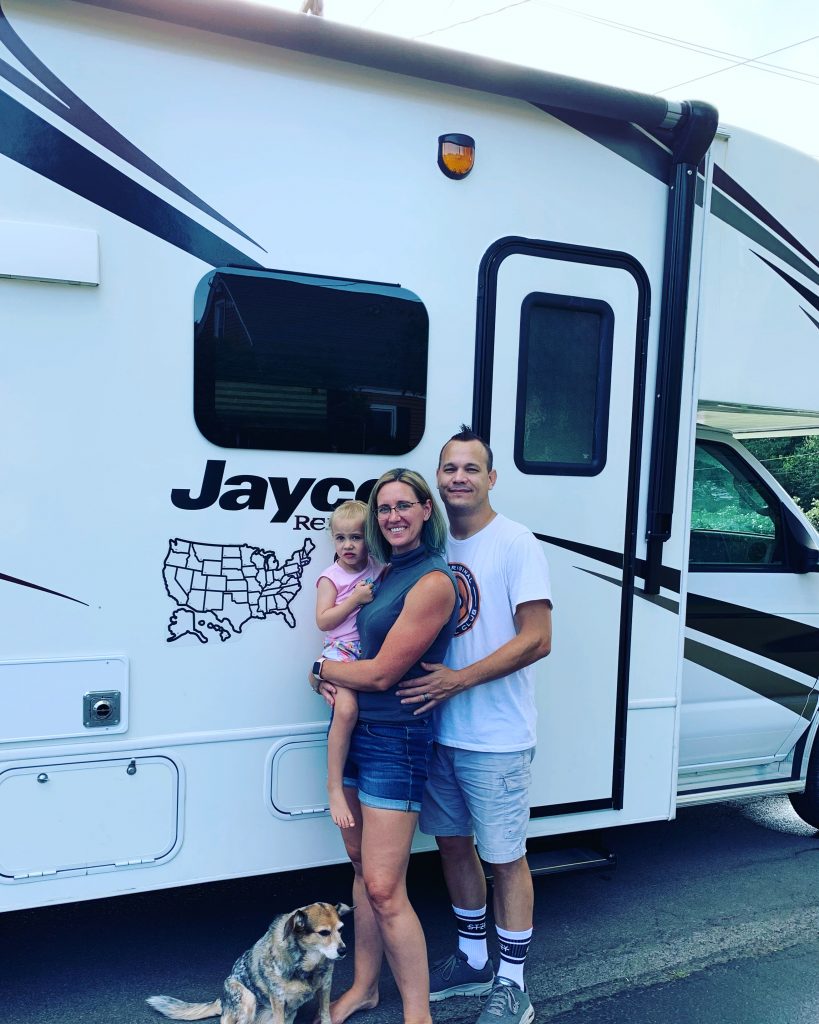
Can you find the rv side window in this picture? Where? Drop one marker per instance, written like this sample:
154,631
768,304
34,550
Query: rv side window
564,380
296,363
735,519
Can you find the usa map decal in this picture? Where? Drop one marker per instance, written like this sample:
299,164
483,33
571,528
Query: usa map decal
220,587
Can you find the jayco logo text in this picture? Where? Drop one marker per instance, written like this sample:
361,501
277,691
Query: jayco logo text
253,492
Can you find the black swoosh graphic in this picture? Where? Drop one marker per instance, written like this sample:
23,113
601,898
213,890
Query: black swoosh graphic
29,140
733,189
812,319
62,101
733,206
45,590
790,643
621,138
669,578
786,641
780,689
658,599
726,210
806,293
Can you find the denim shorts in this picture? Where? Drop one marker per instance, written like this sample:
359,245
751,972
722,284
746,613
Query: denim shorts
387,763
471,792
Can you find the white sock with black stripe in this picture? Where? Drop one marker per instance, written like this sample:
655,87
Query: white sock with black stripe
513,948
472,935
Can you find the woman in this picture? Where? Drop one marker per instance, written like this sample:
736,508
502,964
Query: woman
411,619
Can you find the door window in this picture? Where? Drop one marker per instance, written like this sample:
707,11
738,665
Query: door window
735,519
564,381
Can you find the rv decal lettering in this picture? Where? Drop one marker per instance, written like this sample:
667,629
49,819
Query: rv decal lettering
286,500
220,587
253,495
248,491
208,492
310,523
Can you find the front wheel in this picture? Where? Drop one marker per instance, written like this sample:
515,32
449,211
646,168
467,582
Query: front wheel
806,804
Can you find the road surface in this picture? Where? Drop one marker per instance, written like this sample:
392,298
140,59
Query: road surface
712,918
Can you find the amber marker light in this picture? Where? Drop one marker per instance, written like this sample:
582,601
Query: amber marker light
456,155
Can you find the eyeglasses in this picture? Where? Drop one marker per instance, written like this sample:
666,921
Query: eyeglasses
400,506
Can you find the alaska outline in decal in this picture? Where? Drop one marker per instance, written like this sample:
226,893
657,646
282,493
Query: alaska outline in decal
220,587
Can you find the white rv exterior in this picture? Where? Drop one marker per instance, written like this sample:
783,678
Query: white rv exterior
178,420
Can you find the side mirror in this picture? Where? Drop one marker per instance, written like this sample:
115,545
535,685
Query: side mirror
803,553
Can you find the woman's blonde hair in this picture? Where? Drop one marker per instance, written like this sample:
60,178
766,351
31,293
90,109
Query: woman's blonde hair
351,510
434,530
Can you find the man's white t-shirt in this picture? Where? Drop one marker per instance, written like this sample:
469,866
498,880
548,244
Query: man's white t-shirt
497,569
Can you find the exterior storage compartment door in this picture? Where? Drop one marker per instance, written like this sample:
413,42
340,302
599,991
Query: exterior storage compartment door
298,776
559,394
88,814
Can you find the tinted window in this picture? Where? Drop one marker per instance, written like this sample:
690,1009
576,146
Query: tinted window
735,519
564,379
290,362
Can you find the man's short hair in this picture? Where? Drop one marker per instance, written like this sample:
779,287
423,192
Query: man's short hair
468,434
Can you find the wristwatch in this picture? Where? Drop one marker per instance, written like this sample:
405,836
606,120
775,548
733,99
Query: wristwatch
317,667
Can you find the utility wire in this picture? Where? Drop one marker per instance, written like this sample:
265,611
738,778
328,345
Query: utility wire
377,7
737,61
740,63
477,17
683,43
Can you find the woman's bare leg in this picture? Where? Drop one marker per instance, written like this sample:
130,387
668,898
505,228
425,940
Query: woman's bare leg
387,836
345,716
369,949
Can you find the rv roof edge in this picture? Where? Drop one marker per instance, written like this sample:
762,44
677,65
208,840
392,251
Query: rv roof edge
246,20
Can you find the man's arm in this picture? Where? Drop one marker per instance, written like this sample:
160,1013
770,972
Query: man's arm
533,621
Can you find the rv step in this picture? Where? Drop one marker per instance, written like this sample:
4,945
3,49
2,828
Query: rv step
551,858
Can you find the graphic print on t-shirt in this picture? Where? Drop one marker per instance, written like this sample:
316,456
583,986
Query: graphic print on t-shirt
469,597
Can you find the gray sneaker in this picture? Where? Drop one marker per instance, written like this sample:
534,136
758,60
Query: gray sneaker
452,976
507,1004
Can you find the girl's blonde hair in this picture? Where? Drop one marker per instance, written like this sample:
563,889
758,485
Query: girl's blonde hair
349,510
434,530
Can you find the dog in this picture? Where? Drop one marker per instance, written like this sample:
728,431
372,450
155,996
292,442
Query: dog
289,965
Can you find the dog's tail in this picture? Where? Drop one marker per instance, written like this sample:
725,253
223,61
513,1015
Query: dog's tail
179,1010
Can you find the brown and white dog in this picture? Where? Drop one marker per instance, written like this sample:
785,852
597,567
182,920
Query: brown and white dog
289,965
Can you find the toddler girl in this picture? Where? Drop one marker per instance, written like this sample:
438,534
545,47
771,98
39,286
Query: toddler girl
341,590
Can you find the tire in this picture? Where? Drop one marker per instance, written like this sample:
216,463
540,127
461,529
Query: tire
806,804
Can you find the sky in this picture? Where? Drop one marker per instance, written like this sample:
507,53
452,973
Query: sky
757,61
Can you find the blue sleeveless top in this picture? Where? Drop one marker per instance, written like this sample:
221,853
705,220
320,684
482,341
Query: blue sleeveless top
377,618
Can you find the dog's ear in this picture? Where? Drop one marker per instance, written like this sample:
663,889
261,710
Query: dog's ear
297,922
343,909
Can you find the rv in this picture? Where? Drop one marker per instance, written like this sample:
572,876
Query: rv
249,261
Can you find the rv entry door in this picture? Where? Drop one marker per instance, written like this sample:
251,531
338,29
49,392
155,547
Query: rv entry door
558,391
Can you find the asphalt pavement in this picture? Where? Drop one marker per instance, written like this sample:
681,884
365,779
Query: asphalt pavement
712,918
779,987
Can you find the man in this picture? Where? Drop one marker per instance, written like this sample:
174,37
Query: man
478,787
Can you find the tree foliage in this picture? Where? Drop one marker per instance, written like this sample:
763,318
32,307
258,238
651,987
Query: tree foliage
794,461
